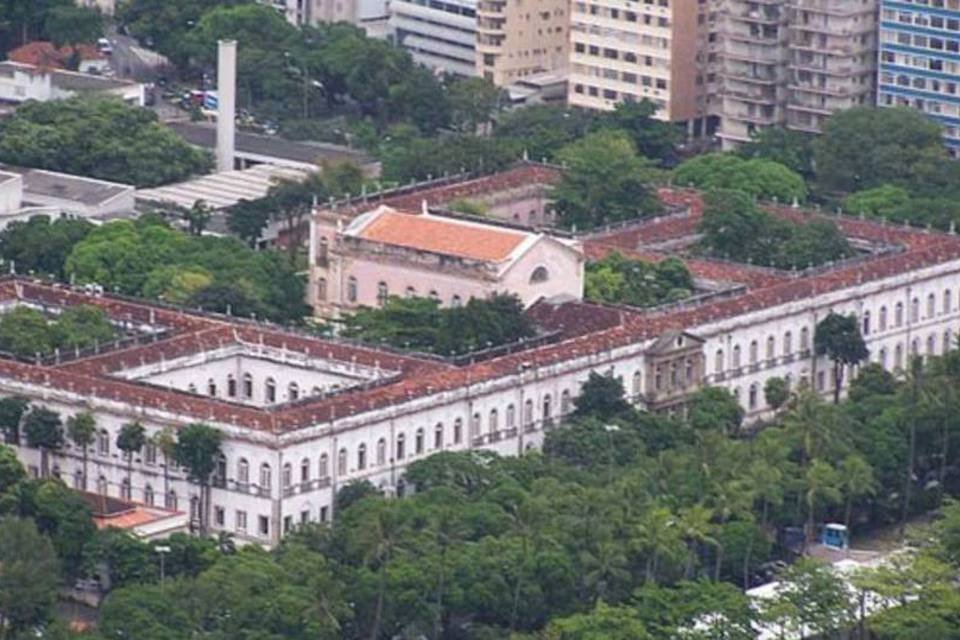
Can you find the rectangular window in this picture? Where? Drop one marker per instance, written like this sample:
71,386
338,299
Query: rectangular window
264,526
241,520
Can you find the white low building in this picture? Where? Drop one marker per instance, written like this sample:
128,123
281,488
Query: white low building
22,82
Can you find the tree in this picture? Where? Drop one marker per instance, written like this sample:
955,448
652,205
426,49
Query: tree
82,326
197,450
792,149
166,441
604,181
823,483
715,408
810,600
776,391
11,471
473,101
857,481
73,25
763,179
867,147
619,280
44,431
604,622
82,429
12,410
601,397
247,219
838,337
40,245
198,217
884,201
654,139
129,144
542,130
354,492
26,333
291,202
131,439
733,227
28,579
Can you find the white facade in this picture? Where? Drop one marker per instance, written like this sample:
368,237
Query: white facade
22,82
439,35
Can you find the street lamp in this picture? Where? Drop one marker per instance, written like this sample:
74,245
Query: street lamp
162,551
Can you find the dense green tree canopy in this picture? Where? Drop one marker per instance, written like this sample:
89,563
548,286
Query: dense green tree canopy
28,579
40,245
734,227
759,178
605,181
27,332
99,138
620,280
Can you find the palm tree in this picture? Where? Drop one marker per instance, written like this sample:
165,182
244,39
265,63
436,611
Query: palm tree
131,438
166,442
82,430
822,482
915,382
44,431
378,538
197,450
857,481
447,530
657,536
696,526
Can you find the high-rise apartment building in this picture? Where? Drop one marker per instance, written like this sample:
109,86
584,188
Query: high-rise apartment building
790,63
832,59
920,61
519,39
622,50
439,35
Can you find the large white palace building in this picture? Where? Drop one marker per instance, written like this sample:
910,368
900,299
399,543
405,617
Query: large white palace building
302,416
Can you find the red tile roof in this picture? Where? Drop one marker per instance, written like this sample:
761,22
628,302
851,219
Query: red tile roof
441,235
47,56
588,329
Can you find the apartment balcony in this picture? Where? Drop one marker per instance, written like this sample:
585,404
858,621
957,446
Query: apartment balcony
753,118
491,8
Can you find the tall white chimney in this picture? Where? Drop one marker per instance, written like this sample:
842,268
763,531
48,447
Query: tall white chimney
226,103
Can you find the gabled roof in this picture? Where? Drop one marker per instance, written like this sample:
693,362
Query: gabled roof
440,235
673,339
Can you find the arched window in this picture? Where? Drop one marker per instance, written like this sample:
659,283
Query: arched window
455,301
492,425
475,426
321,288
293,391
433,295
915,310
342,462
805,339
231,386
150,453
191,388
78,482
565,402
754,348
547,409
540,274
898,357
286,476
883,357
383,293
220,472
323,470
457,431
401,446
243,471
211,388
528,413
381,451
170,500
266,477
511,417
438,436
247,386
947,340
736,356
771,348
752,399
316,391
148,496
323,248
361,457
931,305
931,345
947,301
305,470
410,292
125,489
102,485
717,362
637,386
866,323
883,318
351,289
270,390
418,441
898,315
103,443
787,343
915,347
